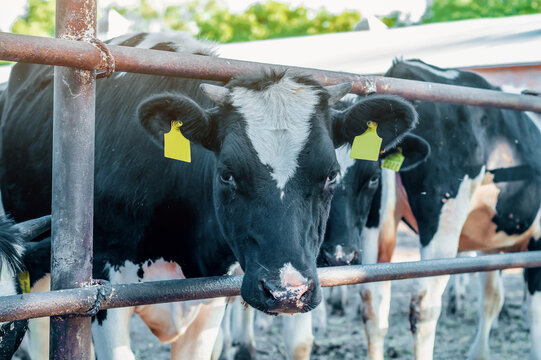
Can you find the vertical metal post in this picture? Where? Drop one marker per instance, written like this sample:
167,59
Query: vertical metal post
73,180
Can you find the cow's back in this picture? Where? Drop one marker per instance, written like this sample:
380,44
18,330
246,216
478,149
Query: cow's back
463,140
139,194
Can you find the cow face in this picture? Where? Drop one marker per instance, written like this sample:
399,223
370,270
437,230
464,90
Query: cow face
275,172
357,198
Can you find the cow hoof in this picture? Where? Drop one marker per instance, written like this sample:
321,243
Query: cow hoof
245,352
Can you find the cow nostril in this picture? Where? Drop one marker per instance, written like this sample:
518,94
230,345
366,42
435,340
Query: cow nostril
266,289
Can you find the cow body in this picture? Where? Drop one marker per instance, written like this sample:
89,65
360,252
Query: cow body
262,176
457,201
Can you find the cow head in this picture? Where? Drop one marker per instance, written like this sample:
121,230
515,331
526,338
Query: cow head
357,200
274,137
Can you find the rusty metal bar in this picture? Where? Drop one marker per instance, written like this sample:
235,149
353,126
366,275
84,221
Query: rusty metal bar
81,300
33,49
73,180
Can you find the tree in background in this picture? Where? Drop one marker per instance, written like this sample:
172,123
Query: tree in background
39,19
267,19
451,10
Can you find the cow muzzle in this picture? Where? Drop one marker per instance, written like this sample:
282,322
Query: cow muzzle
341,255
285,292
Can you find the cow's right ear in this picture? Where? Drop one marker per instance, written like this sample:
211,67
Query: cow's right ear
415,150
158,111
393,115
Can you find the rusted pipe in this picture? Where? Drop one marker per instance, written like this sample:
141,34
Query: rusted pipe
81,300
24,48
73,180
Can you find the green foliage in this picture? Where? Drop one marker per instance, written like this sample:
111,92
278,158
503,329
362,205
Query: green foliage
451,10
39,19
269,20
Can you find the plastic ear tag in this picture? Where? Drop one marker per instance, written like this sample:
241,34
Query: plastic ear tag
175,145
24,280
366,146
394,161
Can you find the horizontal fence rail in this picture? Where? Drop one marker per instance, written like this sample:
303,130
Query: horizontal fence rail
83,55
80,301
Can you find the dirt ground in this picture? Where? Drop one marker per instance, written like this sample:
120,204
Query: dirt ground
345,337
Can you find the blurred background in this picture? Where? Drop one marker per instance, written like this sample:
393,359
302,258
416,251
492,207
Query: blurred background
371,33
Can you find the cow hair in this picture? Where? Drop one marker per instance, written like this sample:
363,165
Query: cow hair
11,245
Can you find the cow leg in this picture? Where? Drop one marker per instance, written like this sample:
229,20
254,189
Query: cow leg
223,348
533,297
490,303
457,287
534,309
319,319
111,335
38,338
243,330
425,307
298,336
376,298
198,341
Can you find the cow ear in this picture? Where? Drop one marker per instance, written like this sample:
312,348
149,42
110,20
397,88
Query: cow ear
393,115
415,150
157,112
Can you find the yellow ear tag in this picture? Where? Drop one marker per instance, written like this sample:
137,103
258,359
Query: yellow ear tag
366,146
24,280
394,161
175,145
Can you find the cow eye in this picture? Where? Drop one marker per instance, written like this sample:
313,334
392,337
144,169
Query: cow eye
331,178
227,178
374,180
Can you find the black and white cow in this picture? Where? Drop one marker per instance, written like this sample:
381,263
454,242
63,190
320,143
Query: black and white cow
355,210
14,245
458,201
258,189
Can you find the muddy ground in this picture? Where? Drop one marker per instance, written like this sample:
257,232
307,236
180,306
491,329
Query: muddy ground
345,337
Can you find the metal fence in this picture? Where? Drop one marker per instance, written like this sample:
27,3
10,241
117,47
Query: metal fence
79,54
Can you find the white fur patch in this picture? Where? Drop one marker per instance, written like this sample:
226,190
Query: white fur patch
7,281
448,74
344,160
278,123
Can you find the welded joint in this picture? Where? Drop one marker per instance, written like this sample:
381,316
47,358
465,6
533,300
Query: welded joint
104,289
107,58
365,86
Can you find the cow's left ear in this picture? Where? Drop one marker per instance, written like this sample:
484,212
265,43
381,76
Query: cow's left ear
157,112
393,115
415,150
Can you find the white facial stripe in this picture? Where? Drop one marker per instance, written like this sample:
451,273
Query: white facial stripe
448,74
278,123
345,161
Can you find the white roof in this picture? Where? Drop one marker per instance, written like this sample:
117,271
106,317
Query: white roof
466,43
